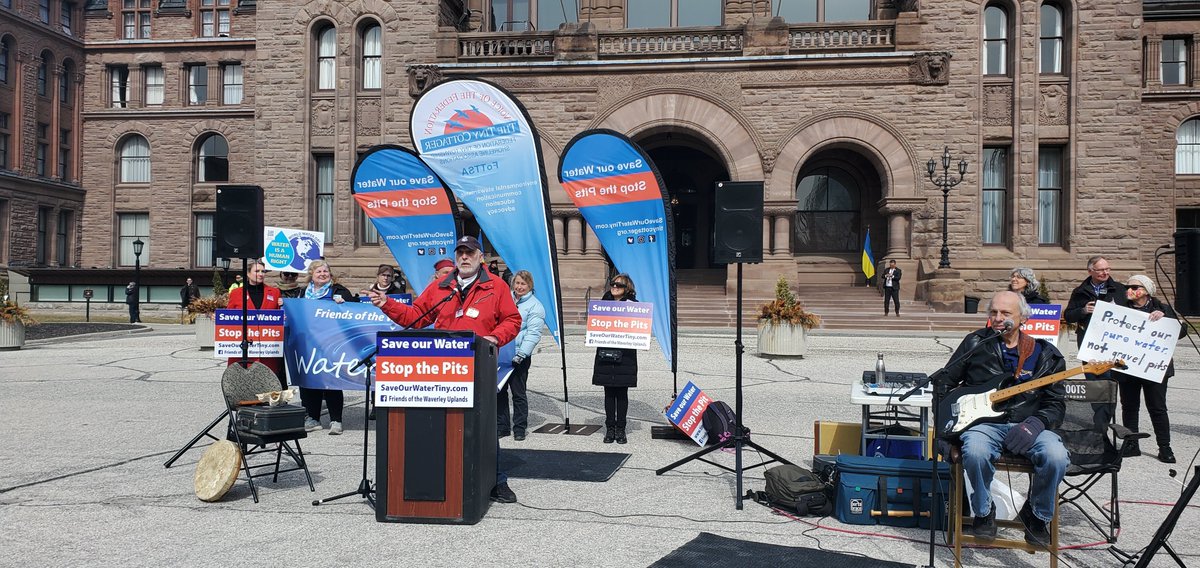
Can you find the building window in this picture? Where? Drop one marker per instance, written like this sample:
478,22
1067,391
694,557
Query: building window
204,240
64,154
153,75
5,164
660,13
827,216
327,59
231,83
197,78
372,55
43,72
44,11
1050,190
5,4
1051,39
43,235
995,41
67,17
526,15
323,193
131,227
64,85
1187,147
1174,61
369,234
212,162
43,149
62,241
136,16
118,79
135,160
214,18
5,59
995,195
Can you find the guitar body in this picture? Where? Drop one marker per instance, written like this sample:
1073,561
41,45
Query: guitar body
966,406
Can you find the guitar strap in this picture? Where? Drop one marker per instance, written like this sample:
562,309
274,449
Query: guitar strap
1027,352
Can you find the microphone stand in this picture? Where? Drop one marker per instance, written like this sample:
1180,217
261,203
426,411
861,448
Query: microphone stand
938,378
364,485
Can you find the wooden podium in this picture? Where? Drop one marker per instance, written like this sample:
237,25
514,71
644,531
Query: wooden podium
438,465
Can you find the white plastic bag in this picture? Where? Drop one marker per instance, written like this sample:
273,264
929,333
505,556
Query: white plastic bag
1006,501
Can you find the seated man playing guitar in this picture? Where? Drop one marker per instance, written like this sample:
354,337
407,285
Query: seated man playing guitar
1021,426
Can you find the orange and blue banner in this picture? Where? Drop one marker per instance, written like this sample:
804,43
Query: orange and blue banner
687,412
624,325
410,208
264,328
620,194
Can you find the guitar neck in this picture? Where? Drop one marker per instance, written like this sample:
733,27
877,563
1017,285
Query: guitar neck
1002,395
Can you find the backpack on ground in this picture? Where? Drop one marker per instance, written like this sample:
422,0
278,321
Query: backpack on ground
719,421
795,488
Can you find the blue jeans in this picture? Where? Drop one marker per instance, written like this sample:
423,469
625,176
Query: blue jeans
982,444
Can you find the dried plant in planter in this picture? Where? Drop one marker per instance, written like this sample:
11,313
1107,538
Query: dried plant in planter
785,308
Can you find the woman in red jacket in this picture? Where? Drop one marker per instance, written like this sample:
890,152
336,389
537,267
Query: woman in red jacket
256,295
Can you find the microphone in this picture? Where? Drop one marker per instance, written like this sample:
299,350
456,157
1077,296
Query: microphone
1005,327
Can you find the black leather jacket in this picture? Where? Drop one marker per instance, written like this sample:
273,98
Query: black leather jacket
1076,311
1046,403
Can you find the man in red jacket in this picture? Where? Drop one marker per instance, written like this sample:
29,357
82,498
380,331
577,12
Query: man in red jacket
469,299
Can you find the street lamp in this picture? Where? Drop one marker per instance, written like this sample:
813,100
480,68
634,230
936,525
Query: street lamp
945,181
225,272
138,245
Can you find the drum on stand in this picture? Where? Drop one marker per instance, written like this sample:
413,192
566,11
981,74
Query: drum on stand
217,470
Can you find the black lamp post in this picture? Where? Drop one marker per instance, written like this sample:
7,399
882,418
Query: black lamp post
225,272
945,181
138,245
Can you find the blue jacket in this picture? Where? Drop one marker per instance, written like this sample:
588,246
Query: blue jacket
533,317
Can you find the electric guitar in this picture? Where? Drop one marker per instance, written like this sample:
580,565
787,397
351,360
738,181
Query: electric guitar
967,406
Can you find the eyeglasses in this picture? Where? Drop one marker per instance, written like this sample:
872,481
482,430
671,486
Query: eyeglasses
1135,287
618,285
1101,269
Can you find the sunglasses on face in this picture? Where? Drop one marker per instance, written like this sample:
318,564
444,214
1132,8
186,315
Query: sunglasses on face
1135,287
618,285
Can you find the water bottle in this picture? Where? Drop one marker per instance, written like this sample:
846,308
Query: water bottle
880,372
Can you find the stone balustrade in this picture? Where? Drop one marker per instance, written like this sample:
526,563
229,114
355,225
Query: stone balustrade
826,37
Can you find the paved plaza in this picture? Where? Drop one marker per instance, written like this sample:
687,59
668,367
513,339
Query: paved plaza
89,422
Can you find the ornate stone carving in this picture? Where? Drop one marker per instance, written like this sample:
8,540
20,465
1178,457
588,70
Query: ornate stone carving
1054,106
421,77
768,156
323,118
930,68
997,105
368,117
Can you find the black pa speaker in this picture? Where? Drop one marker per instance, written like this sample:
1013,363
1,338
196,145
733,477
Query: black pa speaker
1187,271
238,223
738,222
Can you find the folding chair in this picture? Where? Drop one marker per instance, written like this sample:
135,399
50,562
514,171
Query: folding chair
958,509
1091,436
239,385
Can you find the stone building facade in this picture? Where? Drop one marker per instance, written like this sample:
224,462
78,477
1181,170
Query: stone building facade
1070,136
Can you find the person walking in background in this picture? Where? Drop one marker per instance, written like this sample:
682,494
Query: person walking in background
1099,286
533,317
616,369
322,287
189,293
1022,281
891,286
476,301
131,298
257,295
1139,290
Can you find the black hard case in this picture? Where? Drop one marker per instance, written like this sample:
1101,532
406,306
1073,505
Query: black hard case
268,420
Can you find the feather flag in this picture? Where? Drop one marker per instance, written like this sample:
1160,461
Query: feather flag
868,260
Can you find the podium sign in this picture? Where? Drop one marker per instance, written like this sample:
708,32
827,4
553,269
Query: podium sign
430,371
436,458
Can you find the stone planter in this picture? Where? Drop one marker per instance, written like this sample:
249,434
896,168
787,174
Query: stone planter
781,339
12,335
205,329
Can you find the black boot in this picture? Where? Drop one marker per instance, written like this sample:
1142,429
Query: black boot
1165,454
609,434
620,435
1130,449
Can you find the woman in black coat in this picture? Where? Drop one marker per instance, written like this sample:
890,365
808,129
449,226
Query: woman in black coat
1139,290
616,369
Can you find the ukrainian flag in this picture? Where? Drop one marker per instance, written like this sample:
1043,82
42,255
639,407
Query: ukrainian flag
868,261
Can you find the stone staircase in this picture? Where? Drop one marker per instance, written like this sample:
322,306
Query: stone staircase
704,303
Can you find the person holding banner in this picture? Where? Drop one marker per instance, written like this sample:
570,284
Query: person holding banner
1023,282
468,299
256,295
533,317
1139,290
616,369
322,287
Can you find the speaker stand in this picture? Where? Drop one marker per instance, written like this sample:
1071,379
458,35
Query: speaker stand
741,434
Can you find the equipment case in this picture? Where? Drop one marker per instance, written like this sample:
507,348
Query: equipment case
889,491
270,420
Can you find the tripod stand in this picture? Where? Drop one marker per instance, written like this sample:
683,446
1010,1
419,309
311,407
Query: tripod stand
741,434
1144,556
364,485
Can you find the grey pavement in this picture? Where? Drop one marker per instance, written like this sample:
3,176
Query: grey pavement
88,423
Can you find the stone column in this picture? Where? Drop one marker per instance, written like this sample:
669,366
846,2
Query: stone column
783,235
766,235
560,237
591,242
899,212
1153,61
574,236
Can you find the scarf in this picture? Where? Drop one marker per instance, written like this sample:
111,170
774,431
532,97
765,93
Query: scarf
313,293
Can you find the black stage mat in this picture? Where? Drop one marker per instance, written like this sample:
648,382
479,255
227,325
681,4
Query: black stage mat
708,549
565,466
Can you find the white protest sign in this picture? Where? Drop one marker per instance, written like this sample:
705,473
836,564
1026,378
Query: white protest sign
1115,332
291,250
